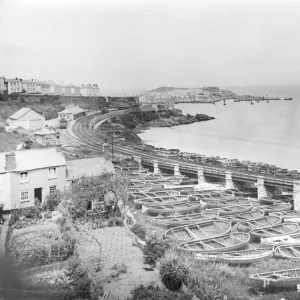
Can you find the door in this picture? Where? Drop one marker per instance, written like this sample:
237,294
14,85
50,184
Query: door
38,194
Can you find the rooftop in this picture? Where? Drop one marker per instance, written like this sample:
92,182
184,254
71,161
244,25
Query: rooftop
34,159
44,131
72,110
88,167
20,113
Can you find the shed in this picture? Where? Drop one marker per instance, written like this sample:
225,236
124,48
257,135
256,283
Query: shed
45,137
27,118
71,113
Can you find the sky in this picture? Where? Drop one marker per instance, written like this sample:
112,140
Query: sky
144,44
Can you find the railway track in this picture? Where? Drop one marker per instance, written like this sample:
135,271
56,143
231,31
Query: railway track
83,133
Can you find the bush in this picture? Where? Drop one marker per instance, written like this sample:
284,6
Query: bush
81,285
154,249
139,230
114,221
32,212
173,272
52,201
152,292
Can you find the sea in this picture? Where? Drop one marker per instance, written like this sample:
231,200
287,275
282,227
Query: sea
262,132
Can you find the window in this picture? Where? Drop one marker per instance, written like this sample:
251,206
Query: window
24,177
24,196
52,189
52,173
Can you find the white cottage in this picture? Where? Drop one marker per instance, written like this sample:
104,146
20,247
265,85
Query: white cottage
27,118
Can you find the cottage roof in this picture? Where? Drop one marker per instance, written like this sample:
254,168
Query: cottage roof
72,110
34,159
88,167
44,131
20,113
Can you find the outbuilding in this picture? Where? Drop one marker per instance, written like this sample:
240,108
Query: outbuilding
71,113
27,118
45,137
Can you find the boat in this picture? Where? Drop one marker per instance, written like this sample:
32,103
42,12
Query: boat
156,200
243,257
199,231
228,242
246,226
274,230
216,203
250,215
269,201
283,279
276,241
288,216
274,208
179,220
230,210
181,207
288,251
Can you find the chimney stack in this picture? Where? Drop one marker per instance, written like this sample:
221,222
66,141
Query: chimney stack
10,161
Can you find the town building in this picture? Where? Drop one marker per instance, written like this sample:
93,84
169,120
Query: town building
29,86
27,118
13,85
45,137
71,113
90,90
2,84
29,175
43,87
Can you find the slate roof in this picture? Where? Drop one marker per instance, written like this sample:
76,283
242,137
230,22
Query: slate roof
17,115
32,159
72,110
88,167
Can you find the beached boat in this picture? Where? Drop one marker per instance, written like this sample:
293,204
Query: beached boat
274,208
243,257
216,203
269,201
288,216
283,279
246,226
224,243
199,231
230,210
179,220
247,216
276,241
147,201
288,251
180,207
274,230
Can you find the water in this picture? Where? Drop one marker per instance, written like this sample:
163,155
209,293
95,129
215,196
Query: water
263,132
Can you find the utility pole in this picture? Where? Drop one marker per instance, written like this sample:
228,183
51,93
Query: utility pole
112,145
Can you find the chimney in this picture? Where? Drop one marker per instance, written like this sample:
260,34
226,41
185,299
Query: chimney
10,161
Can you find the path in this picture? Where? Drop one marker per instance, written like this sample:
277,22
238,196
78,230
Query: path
117,248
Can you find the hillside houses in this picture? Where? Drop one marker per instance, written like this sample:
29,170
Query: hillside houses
27,176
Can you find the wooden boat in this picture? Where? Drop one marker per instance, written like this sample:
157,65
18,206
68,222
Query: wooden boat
274,208
276,241
283,279
147,201
246,226
224,243
288,216
181,207
288,251
274,230
269,201
230,210
243,257
224,202
199,231
179,220
250,215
